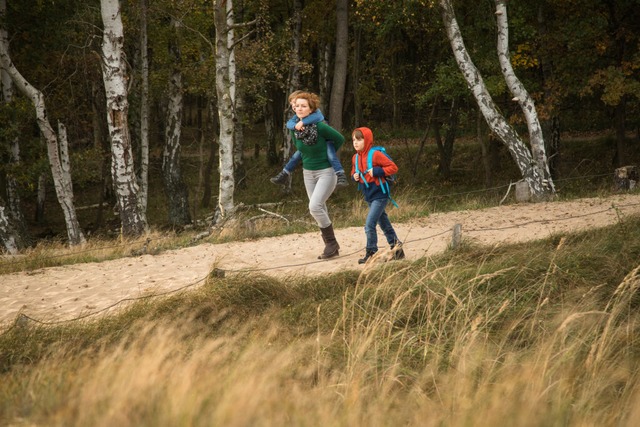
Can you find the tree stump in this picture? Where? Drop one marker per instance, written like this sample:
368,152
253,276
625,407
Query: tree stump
625,178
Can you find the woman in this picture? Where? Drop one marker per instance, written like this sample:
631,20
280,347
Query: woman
319,177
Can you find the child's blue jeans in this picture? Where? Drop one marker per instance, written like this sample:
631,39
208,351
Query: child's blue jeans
378,215
331,155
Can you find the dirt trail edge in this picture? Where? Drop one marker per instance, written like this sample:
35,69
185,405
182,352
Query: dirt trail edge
65,293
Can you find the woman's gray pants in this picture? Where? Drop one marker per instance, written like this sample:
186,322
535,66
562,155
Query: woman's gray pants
320,184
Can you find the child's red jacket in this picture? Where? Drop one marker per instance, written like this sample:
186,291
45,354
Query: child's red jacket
381,164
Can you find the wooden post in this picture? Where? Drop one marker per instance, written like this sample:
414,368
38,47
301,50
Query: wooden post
523,194
457,236
625,178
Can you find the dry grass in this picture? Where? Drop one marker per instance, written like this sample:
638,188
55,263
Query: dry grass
507,336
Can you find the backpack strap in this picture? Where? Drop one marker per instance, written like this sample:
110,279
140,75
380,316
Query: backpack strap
360,174
370,166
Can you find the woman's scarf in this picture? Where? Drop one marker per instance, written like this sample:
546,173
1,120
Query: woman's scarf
308,135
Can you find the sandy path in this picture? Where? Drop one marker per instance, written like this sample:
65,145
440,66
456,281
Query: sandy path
64,293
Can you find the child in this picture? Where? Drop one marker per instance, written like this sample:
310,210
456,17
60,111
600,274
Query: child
369,184
295,123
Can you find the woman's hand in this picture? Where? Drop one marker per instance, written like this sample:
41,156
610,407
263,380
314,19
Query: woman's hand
356,177
299,125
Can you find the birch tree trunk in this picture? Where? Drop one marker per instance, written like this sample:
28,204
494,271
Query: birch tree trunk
521,95
531,173
7,232
340,67
9,236
14,209
144,109
236,100
13,198
226,207
56,150
132,216
175,188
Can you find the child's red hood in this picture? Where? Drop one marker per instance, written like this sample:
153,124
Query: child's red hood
368,138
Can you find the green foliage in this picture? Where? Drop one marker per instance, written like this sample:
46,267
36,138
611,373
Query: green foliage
404,64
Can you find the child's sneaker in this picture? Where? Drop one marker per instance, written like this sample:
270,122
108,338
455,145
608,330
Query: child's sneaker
281,178
342,180
397,251
399,254
367,256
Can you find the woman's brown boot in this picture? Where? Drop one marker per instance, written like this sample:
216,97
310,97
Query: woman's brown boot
331,245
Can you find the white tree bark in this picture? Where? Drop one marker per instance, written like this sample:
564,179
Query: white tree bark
531,173
144,109
520,93
7,233
236,95
175,188
231,40
132,216
13,198
226,188
57,151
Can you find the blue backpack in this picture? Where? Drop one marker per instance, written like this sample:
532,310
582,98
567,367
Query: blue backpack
384,183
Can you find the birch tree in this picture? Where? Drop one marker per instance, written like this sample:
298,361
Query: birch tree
57,146
236,98
226,207
175,188
520,94
537,179
144,108
14,210
7,232
114,74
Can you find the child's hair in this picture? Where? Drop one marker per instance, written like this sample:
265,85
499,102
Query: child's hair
358,134
312,99
294,95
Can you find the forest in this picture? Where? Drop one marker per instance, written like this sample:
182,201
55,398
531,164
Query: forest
104,101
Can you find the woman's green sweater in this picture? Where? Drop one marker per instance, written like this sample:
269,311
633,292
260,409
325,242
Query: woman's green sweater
314,157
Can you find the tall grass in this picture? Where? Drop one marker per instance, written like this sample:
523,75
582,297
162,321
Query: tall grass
530,335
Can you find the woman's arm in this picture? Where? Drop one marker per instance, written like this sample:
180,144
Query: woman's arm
329,133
